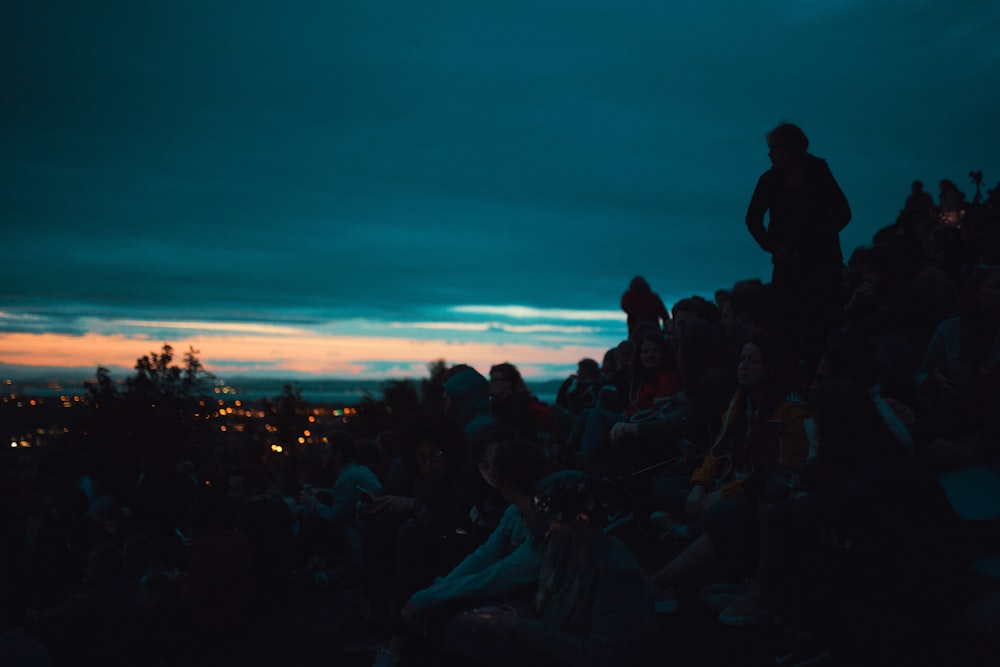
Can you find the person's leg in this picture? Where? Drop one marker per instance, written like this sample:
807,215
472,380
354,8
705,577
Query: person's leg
698,559
596,431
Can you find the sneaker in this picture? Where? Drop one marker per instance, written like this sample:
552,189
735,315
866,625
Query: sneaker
666,601
747,609
716,597
386,657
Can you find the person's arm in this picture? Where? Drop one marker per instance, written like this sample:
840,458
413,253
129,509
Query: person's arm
793,441
505,574
759,204
837,207
663,313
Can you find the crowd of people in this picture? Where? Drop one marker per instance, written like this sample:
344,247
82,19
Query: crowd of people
782,446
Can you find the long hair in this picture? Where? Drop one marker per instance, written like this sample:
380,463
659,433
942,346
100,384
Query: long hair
510,371
779,363
668,362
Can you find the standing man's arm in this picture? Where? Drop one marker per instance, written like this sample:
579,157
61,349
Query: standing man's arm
755,213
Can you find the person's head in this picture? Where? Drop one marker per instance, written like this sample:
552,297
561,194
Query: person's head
787,144
588,370
639,284
484,446
435,447
652,354
609,363
517,465
917,187
505,380
464,390
765,364
561,502
692,308
432,461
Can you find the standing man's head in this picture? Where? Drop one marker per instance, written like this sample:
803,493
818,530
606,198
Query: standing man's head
786,144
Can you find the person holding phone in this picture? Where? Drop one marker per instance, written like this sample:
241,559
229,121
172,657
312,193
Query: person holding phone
337,506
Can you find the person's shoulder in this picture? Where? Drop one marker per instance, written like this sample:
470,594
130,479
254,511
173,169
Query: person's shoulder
816,164
355,472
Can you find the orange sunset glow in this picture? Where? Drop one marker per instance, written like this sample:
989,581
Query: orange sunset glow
297,353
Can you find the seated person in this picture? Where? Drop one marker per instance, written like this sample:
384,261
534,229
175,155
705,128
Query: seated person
764,426
593,605
684,424
512,403
654,376
577,393
503,569
337,507
421,528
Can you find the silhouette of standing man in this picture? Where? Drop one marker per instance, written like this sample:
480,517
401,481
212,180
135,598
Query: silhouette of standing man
806,211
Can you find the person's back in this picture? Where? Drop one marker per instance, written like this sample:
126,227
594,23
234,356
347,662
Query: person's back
643,307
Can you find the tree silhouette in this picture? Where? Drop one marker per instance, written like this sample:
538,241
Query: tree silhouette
160,405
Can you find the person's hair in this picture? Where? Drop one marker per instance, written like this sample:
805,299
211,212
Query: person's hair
700,306
791,137
455,370
779,364
639,284
520,462
513,375
588,366
668,362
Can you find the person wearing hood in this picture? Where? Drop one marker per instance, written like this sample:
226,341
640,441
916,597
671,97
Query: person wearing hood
467,399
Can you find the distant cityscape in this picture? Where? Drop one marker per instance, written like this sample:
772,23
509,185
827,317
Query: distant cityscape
39,411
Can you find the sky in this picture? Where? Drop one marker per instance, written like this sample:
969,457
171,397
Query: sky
358,188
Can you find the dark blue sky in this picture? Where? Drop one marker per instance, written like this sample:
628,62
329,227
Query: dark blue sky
313,175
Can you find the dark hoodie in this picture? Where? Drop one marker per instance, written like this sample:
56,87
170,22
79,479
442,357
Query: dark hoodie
469,392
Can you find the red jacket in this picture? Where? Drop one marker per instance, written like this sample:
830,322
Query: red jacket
642,395
644,307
